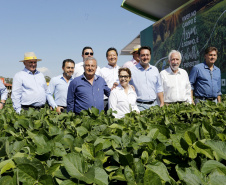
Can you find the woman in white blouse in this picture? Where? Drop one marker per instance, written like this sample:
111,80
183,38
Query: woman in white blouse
123,98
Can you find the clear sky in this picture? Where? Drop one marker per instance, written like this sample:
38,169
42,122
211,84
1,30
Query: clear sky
58,29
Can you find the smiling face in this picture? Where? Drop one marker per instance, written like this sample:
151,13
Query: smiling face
175,61
124,78
112,58
145,57
31,65
68,69
211,57
90,67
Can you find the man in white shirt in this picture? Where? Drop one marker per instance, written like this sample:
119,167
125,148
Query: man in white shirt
135,59
79,67
175,81
110,72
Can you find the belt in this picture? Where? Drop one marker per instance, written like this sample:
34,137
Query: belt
147,102
31,106
205,98
175,102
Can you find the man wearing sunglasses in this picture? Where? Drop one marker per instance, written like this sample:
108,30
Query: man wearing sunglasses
79,69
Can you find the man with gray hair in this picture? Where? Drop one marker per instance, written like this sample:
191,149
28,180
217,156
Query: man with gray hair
87,90
175,81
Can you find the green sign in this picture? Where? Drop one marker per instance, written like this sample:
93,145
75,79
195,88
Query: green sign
190,29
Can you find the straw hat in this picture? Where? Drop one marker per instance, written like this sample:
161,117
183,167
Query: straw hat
135,48
30,56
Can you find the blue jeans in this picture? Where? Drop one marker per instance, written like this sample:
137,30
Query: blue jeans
142,106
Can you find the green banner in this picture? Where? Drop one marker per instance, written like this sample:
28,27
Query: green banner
190,29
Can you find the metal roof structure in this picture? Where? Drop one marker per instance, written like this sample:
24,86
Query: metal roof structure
153,10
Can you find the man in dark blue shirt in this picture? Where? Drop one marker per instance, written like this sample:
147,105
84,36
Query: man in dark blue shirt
205,78
87,90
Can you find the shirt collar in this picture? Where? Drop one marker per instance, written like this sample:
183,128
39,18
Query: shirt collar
62,77
110,67
207,67
29,72
171,71
141,67
95,77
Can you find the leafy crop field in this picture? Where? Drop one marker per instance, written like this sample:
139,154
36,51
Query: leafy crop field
176,144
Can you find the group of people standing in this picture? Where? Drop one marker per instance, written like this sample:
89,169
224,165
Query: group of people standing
134,87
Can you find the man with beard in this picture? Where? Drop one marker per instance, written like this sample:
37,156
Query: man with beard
175,81
58,87
87,90
205,78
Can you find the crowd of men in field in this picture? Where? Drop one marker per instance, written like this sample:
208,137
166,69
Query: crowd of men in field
136,85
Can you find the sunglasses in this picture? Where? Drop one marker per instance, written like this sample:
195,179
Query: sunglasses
87,53
124,77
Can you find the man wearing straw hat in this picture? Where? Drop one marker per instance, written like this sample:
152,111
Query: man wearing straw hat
29,85
135,59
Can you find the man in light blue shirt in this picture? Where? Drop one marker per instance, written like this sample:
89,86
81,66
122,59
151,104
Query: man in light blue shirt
58,86
4,93
29,85
146,80
205,78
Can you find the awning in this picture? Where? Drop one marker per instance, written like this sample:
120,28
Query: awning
153,9
129,47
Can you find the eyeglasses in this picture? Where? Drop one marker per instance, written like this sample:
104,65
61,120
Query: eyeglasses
123,77
87,53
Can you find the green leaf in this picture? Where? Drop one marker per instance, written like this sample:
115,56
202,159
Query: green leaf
217,180
218,146
151,177
46,179
111,168
160,169
203,149
43,146
27,174
88,150
6,165
58,150
81,131
101,177
68,182
189,137
211,165
192,153
128,172
179,143
144,157
75,166
6,180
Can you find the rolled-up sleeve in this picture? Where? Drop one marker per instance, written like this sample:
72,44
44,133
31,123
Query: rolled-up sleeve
50,91
3,91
